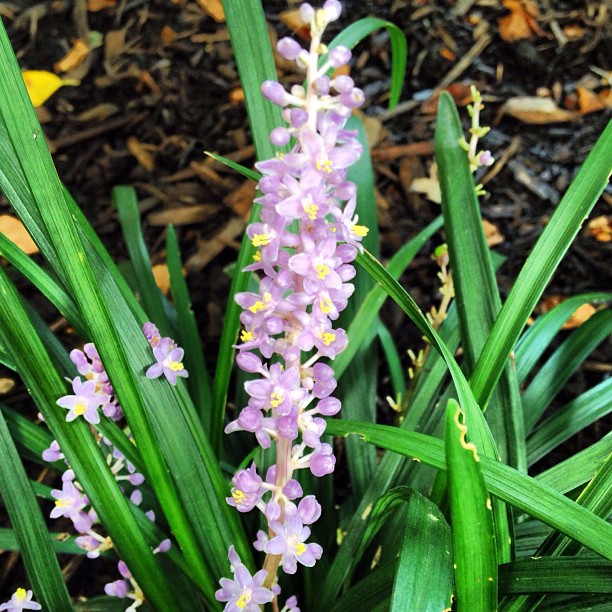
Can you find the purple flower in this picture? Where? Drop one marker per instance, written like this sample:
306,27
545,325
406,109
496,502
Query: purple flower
247,489
169,362
85,402
70,502
291,605
53,453
289,542
322,461
118,588
245,593
21,600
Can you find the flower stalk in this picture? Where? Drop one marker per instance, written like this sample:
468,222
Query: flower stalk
306,240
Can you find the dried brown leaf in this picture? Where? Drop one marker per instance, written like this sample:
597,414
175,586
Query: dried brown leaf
492,233
429,185
588,102
74,57
213,8
605,97
167,35
16,232
236,95
139,151
534,110
600,228
93,6
521,22
293,21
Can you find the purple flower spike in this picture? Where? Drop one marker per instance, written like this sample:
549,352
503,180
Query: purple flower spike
304,244
245,593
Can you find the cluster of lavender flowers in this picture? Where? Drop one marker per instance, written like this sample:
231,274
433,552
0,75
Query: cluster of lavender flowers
90,395
305,285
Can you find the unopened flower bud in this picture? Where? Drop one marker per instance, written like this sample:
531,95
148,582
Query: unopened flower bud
339,56
275,92
288,48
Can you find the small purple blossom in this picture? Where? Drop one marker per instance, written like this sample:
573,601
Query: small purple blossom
85,401
289,542
245,593
21,600
247,489
169,362
53,453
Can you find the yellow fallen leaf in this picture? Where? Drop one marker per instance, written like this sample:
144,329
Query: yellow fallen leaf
16,232
214,8
74,57
162,277
41,85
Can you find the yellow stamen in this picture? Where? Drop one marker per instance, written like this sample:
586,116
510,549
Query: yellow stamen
257,256
325,304
62,503
311,210
328,338
239,496
259,305
247,336
243,600
322,271
175,366
324,166
360,230
79,409
260,240
300,549
276,399
20,594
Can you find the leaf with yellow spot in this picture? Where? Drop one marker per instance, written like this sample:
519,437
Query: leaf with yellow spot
41,85
474,547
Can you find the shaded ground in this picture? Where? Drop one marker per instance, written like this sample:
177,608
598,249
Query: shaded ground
162,87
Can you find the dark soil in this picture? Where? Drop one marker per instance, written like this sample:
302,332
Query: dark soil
163,84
